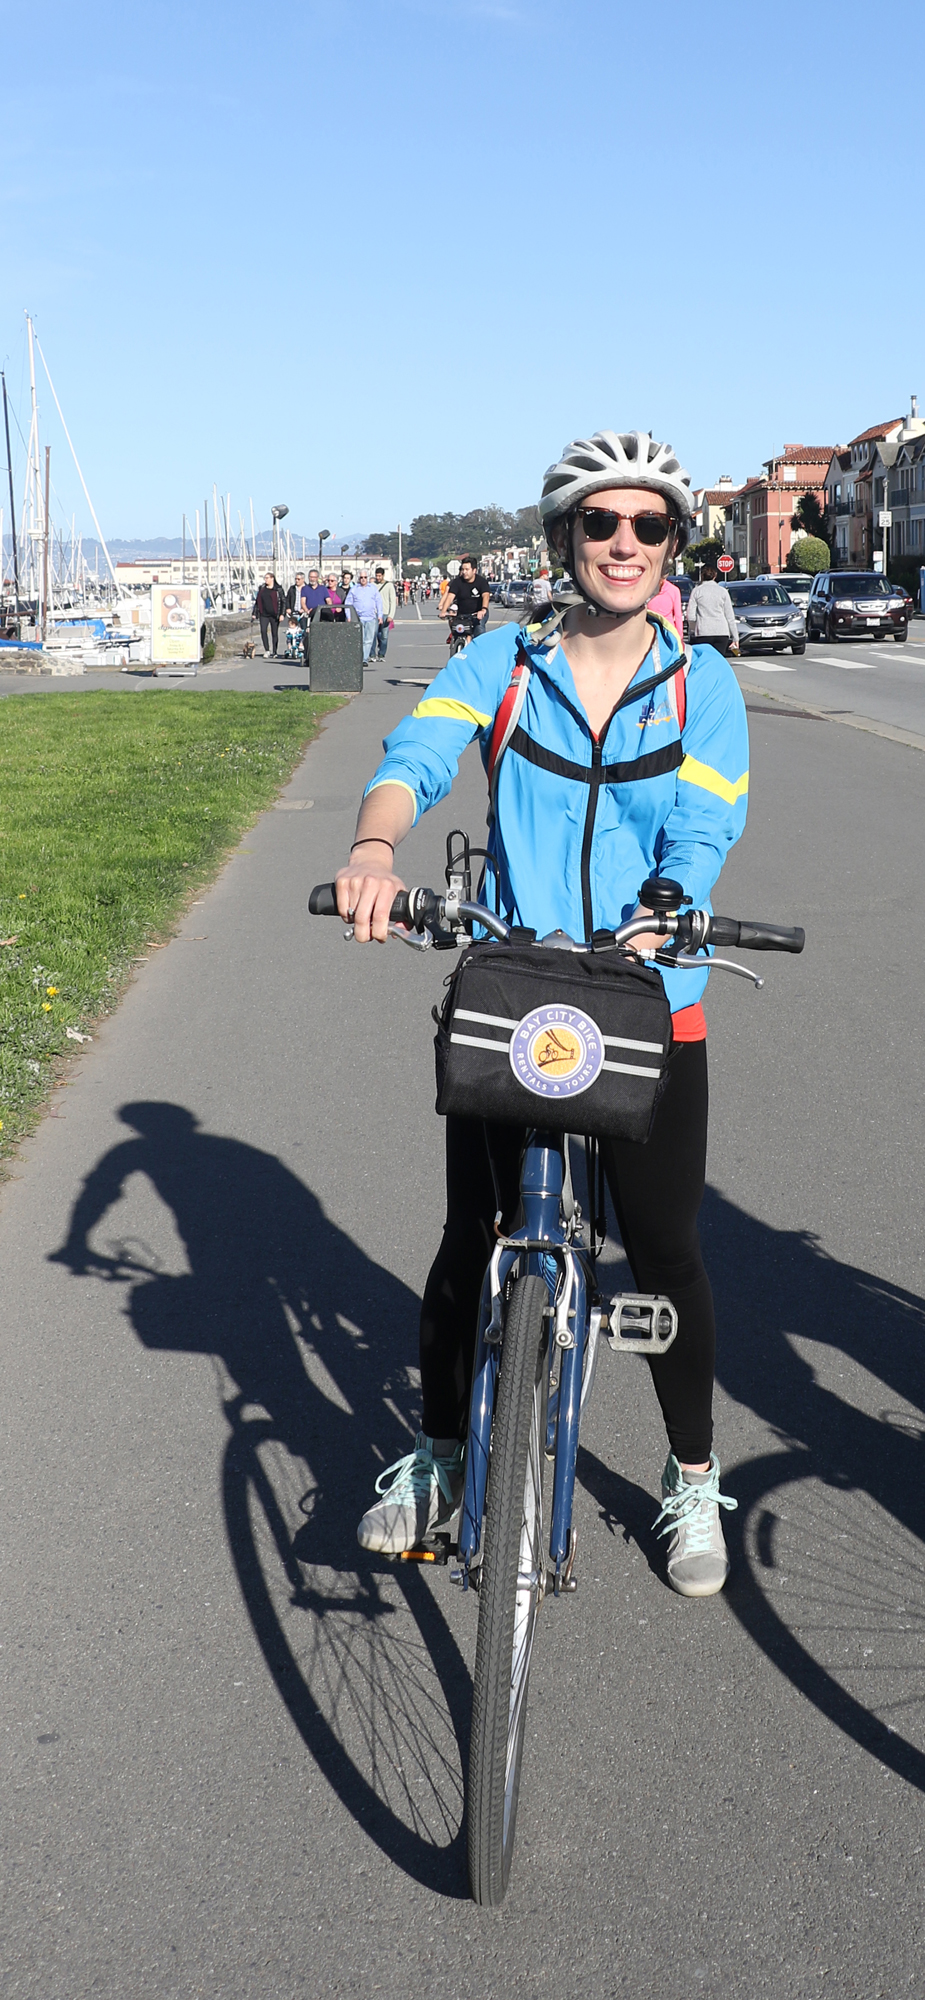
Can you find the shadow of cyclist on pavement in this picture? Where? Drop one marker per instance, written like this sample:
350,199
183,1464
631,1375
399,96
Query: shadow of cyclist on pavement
780,1296
311,1338
791,1317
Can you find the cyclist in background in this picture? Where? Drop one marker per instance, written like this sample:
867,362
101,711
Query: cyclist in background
598,789
467,596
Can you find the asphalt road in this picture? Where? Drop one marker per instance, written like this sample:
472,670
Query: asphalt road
877,680
887,684
233,1747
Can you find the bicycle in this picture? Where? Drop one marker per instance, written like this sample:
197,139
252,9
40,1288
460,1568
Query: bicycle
540,1321
462,629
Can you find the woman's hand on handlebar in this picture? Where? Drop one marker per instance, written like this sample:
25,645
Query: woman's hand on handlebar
365,894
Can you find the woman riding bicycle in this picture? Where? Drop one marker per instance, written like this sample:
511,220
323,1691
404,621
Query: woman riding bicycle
572,838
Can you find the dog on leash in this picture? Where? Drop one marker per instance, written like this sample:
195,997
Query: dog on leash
248,649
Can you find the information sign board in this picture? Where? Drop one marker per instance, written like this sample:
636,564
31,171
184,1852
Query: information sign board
175,622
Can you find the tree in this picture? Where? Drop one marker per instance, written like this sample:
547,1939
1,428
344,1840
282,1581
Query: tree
437,537
702,553
385,544
810,554
809,516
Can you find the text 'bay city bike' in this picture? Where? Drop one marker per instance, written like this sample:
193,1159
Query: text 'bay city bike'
540,1321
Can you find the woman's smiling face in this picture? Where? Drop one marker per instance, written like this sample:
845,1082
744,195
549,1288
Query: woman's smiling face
621,572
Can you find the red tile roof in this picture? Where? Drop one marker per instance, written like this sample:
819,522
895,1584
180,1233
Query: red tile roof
803,454
716,496
876,431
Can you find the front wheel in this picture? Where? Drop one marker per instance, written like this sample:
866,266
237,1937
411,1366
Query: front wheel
901,637
800,647
511,1587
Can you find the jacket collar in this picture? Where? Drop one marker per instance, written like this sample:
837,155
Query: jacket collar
549,656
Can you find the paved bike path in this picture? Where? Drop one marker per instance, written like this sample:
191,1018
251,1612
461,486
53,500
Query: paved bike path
232,1745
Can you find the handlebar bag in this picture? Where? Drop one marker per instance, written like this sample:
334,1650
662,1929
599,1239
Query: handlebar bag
575,1041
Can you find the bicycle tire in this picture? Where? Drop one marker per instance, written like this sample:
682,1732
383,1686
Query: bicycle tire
511,1587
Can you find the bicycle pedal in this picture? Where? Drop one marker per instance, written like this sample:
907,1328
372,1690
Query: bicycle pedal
436,1549
640,1323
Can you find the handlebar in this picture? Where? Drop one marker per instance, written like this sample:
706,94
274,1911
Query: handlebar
754,937
424,909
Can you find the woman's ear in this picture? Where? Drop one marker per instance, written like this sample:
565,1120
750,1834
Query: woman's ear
555,536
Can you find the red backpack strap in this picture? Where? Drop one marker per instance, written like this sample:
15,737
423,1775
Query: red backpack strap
506,720
677,693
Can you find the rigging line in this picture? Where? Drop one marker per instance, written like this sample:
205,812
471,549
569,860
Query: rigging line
79,473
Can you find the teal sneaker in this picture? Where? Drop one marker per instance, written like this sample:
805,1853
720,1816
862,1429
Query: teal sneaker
698,1564
425,1490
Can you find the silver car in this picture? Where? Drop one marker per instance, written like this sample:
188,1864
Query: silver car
767,618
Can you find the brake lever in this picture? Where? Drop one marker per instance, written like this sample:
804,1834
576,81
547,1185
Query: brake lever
687,964
396,931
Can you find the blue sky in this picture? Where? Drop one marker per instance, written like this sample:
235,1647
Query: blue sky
381,257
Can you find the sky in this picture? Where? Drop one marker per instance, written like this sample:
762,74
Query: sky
374,258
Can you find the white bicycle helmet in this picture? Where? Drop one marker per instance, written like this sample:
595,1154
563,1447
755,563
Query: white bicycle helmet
616,458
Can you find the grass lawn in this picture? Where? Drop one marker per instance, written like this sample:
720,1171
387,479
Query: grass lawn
113,808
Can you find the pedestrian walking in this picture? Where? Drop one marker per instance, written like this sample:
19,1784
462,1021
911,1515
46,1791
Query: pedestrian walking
389,605
269,605
667,603
364,601
710,616
333,608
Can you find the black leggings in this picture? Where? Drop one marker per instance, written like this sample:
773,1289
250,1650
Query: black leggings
656,1191
269,625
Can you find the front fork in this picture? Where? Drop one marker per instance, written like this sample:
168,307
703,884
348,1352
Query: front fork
540,1249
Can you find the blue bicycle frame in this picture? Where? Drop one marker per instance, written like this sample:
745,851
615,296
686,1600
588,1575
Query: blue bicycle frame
541,1248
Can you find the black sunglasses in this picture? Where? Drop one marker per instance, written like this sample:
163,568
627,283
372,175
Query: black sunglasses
599,524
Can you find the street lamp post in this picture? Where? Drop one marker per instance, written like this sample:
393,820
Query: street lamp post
324,535
279,514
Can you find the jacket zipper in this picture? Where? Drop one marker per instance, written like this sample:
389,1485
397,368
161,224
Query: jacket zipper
594,786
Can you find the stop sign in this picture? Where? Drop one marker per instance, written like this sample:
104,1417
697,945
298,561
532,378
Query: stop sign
725,565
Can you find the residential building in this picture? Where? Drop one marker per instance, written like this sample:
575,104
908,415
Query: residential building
711,504
848,503
761,530
898,485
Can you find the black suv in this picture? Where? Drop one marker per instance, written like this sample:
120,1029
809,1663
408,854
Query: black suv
844,603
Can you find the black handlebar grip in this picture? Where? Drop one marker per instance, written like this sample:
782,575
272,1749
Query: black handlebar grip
755,937
323,903
771,937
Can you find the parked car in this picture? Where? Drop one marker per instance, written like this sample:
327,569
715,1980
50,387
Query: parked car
793,582
850,603
494,592
514,593
685,585
768,620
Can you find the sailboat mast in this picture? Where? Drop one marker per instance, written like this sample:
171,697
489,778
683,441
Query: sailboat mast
9,464
45,615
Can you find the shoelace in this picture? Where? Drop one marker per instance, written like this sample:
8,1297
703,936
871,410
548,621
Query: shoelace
684,1505
413,1475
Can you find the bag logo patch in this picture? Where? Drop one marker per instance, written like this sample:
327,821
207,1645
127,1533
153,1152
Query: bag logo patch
556,1051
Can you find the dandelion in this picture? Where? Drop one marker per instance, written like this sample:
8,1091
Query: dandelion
46,1006
22,895
52,991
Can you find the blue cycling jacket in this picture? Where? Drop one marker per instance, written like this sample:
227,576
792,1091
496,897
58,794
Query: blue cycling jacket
579,825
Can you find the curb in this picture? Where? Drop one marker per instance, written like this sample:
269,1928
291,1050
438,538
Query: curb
906,737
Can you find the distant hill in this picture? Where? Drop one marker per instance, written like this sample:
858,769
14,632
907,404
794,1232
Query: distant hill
172,545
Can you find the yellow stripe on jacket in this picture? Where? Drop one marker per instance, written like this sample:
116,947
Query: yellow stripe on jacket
709,780
451,711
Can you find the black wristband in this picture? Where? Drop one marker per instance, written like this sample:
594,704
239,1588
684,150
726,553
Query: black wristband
378,837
